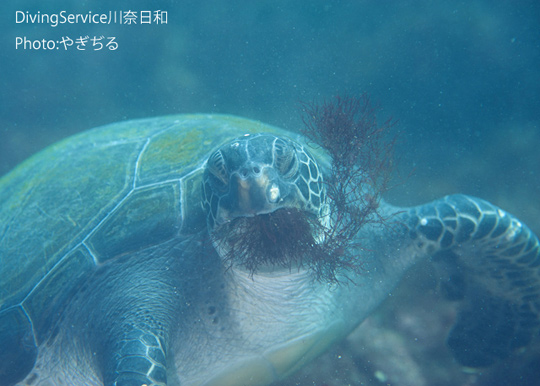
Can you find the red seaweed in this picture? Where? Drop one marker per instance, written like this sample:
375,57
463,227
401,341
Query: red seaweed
362,160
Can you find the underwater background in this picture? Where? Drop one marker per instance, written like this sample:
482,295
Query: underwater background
460,80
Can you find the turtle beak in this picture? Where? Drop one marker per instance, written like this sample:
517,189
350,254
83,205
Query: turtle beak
257,193
253,190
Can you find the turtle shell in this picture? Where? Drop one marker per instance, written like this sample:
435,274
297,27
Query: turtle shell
93,197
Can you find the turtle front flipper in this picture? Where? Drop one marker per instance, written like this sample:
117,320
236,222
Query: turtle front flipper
139,358
492,262
131,318
125,316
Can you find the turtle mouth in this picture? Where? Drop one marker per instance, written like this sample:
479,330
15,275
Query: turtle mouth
279,239
287,238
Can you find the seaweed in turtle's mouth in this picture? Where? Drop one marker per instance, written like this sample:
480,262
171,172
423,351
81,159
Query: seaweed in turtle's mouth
287,238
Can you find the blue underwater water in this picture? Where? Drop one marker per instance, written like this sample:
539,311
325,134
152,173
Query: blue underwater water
460,80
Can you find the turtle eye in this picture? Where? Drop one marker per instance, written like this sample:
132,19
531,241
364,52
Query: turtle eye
285,158
216,166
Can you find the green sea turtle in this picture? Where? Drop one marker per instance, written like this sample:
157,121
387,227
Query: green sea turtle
209,250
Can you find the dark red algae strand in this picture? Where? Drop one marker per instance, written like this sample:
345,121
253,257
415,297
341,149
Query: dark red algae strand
362,160
346,127
285,239
282,238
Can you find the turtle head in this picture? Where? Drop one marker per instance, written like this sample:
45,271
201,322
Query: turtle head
264,197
